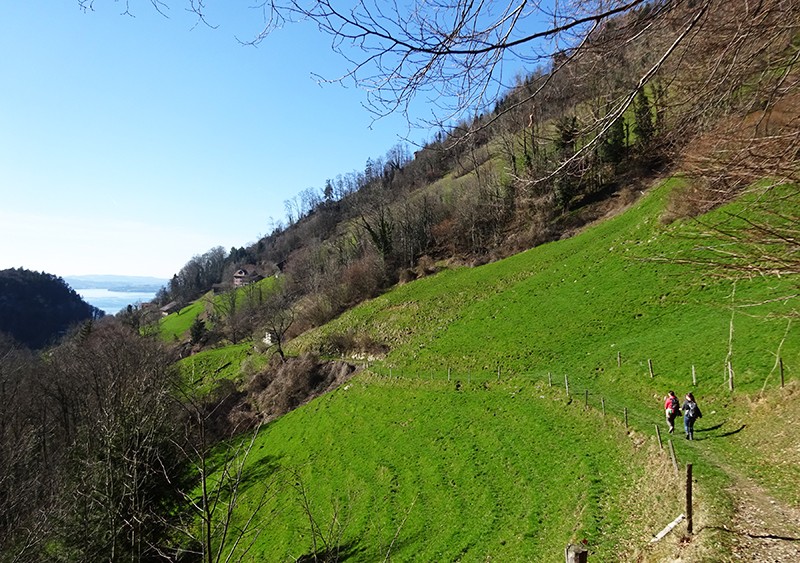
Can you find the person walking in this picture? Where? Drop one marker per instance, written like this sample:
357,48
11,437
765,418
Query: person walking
672,409
691,412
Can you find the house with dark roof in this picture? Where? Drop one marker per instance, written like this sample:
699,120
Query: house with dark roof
246,275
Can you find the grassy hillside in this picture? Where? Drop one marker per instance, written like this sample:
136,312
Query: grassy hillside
424,472
456,447
571,306
175,326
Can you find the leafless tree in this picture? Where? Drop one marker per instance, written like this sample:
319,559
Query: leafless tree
278,315
218,527
80,433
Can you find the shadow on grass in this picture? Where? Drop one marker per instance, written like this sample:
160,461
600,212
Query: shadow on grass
260,470
754,536
717,427
338,553
710,428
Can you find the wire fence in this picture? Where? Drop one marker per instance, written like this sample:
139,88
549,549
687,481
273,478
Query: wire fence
575,388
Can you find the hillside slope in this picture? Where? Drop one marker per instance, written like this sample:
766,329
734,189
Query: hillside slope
463,444
37,308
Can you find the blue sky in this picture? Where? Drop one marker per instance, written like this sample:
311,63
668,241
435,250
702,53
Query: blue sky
130,144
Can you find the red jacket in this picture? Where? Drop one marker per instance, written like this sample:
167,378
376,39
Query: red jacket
671,403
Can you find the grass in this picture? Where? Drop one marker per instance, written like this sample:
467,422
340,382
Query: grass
175,326
234,363
423,471
506,467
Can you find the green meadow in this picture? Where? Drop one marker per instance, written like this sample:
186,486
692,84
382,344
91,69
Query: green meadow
175,326
463,443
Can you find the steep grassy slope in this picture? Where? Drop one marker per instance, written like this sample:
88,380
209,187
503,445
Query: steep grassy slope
572,306
455,446
507,472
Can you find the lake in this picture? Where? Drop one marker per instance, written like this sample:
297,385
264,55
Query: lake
110,301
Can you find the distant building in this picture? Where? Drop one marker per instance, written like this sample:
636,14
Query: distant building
246,275
170,307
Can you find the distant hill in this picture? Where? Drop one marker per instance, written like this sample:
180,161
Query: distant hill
37,308
116,283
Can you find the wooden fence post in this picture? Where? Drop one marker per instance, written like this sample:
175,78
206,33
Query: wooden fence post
549,379
603,404
619,359
650,367
566,384
575,554
730,376
448,374
694,376
672,455
626,418
658,434
780,362
689,521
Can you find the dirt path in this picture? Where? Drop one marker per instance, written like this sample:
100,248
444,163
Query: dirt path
763,529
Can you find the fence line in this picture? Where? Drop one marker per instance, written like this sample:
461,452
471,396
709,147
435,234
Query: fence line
640,415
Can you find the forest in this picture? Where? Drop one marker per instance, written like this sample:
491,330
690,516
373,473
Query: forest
37,309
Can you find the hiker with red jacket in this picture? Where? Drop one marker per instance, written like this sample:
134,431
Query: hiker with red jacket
671,407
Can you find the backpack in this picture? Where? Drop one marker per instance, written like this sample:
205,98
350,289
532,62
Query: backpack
673,404
692,410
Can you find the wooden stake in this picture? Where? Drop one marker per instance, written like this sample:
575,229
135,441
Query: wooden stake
780,361
575,554
448,374
668,528
658,435
650,367
694,376
626,418
566,384
689,498
619,359
730,377
672,455
603,404
550,379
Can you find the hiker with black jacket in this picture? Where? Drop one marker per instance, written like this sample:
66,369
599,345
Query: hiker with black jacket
691,412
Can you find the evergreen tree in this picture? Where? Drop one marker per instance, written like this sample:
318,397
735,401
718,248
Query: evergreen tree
567,129
644,126
197,331
612,148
